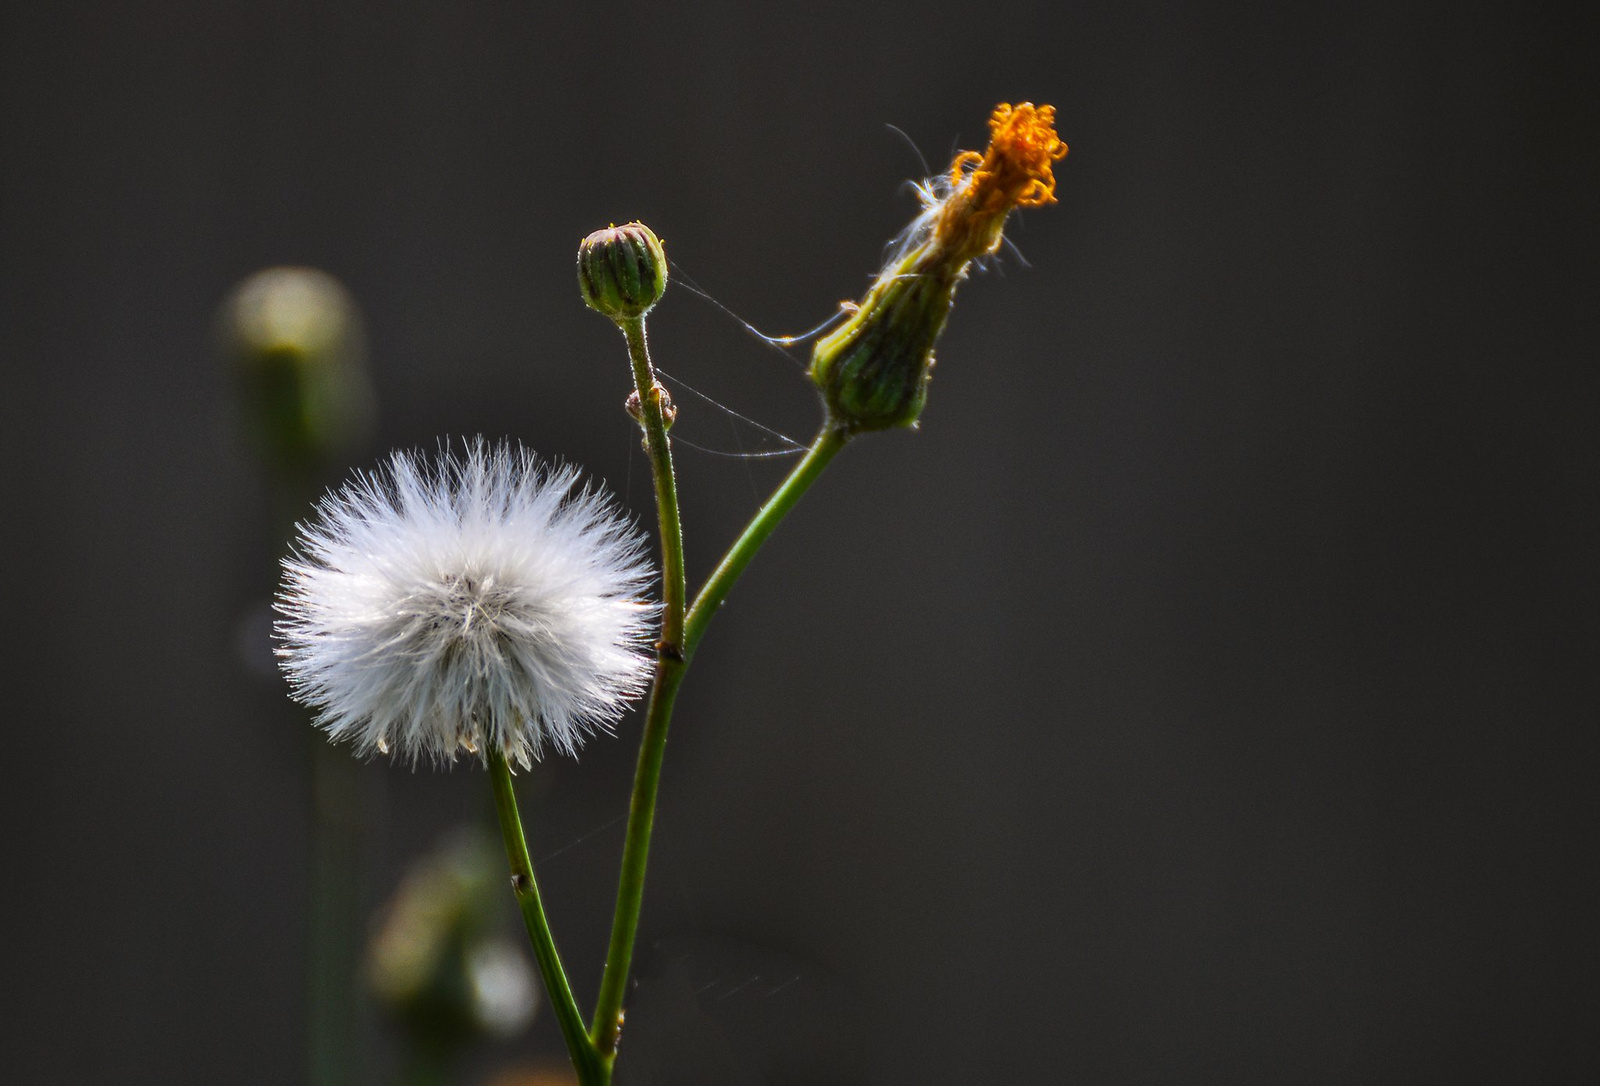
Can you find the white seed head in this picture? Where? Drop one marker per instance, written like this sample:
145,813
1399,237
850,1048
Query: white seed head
480,601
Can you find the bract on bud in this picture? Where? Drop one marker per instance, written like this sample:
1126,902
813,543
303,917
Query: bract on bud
874,369
622,271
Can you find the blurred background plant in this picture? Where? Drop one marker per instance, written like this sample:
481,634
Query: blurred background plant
440,961
295,339
437,961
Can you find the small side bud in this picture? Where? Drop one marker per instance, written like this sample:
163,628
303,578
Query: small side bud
622,271
658,392
669,410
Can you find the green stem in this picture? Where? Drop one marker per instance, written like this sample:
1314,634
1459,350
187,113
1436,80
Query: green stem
339,828
652,748
829,441
653,404
592,1071
607,1026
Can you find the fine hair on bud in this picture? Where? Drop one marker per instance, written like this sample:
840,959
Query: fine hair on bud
471,601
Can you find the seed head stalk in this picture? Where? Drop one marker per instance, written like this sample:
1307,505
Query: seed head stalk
591,1069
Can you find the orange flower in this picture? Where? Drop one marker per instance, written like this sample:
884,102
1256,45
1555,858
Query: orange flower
1015,171
874,369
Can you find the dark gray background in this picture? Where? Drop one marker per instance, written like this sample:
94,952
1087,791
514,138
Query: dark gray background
1204,694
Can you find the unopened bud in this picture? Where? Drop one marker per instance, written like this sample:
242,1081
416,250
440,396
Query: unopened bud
874,369
622,271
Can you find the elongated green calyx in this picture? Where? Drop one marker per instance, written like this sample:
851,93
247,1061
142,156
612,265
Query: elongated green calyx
874,369
622,271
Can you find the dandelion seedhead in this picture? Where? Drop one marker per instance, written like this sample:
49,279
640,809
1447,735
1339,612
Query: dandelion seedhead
480,601
874,369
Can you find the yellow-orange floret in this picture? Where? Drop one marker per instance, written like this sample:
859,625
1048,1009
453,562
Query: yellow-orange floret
1015,171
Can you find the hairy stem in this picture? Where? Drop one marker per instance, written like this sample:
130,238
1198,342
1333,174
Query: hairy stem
607,1026
592,1070
653,406
670,668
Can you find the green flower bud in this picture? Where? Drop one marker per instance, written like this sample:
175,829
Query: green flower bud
874,369
622,271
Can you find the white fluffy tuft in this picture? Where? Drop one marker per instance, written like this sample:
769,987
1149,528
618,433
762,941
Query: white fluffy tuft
478,601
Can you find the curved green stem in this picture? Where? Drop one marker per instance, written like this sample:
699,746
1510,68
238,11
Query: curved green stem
670,668
828,442
592,1070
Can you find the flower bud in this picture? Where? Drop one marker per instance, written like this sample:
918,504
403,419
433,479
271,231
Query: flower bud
874,369
622,271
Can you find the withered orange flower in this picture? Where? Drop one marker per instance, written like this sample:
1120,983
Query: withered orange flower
874,369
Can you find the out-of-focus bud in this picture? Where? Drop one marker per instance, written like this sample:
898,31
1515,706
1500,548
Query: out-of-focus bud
295,335
435,963
622,271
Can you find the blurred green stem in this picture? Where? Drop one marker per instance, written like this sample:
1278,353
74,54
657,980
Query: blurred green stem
339,827
336,885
